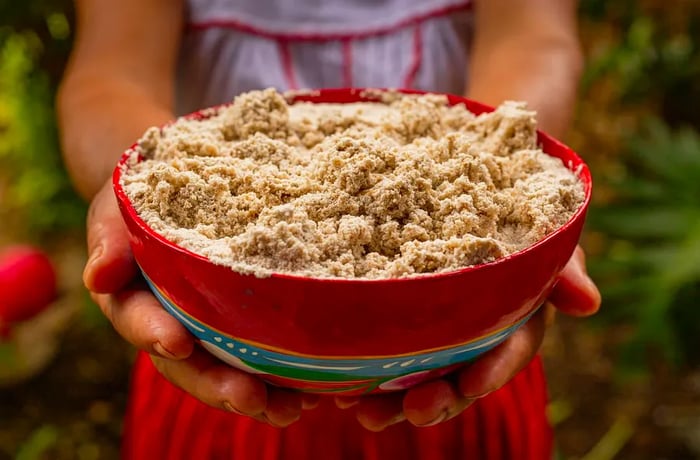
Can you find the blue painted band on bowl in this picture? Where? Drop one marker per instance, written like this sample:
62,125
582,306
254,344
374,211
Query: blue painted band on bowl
327,368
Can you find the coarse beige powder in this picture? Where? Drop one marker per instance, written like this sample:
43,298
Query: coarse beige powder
390,189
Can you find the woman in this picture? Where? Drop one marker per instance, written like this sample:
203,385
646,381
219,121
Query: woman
139,63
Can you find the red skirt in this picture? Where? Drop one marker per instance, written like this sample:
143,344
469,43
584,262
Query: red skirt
163,422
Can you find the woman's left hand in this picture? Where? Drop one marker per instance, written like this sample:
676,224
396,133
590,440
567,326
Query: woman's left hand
439,400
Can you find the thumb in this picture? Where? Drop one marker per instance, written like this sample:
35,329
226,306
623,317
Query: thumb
110,264
575,292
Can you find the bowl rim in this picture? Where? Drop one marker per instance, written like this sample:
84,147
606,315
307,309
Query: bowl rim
582,172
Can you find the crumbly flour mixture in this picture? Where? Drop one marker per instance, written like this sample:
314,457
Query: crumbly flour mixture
399,188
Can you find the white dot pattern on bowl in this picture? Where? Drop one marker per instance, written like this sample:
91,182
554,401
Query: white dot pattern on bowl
293,365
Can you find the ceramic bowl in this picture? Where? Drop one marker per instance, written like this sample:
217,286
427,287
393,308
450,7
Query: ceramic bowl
353,336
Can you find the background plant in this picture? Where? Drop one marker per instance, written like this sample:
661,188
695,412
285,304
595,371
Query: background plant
33,48
639,121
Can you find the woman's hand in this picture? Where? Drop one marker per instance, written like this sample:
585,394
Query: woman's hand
112,277
436,401
539,39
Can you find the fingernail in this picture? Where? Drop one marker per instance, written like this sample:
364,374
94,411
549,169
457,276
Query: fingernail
480,395
346,403
89,266
397,419
309,402
229,407
94,256
161,350
269,422
439,419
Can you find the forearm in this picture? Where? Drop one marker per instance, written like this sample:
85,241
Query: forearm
99,117
527,50
543,74
119,82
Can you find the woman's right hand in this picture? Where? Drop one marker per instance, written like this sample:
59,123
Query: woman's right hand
113,279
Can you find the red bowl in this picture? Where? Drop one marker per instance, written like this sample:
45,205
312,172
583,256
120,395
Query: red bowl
353,336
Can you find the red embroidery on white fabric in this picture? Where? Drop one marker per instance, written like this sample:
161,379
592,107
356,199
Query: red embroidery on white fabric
417,58
288,64
347,63
324,37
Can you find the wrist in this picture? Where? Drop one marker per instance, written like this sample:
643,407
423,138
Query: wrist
97,125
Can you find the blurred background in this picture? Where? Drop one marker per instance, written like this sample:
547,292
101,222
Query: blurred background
624,385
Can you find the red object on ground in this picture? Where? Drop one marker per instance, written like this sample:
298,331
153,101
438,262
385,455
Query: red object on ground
27,283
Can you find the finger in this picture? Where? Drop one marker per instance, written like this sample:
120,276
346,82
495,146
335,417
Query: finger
215,383
378,412
310,401
433,402
283,407
138,317
110,264
575,292
499,366
550,314
346,402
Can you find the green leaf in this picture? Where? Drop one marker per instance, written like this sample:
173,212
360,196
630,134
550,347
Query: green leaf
38,443
657,258
630,288
613,441
685,267
644,222
672,158
640,189
58,26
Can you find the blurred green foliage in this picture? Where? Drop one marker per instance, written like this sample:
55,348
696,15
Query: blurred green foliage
650,269
33,50
49,22
649,51
644,75
38,444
